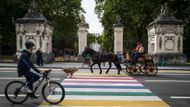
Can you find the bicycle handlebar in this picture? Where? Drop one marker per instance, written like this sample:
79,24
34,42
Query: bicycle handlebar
46,72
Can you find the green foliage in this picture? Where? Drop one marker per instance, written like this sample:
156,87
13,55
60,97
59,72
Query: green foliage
90,39
62,14
10,9
136,15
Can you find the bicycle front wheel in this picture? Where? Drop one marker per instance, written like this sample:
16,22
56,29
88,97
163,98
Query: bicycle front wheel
53,92
13,92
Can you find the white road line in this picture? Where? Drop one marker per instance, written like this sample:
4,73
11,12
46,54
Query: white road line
176,74
99,97
103,90
56,71
3,95
180,97
186,81
103,84
4,78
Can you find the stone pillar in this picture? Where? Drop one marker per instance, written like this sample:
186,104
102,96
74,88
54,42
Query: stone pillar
118,42
82,37
118,39
82,40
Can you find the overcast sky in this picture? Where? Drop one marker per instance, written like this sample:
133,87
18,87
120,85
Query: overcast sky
90,16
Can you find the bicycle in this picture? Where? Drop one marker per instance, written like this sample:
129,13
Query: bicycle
147,67
14,93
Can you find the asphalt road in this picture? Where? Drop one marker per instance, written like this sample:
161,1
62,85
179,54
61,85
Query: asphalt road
9,74
172,86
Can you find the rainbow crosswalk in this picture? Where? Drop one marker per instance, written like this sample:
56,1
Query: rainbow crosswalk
106,90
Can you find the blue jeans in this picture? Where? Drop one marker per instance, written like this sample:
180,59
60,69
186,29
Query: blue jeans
31,78
135,58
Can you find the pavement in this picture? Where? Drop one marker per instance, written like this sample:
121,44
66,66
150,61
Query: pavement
59,65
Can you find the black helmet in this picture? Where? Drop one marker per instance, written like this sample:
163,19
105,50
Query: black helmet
29,44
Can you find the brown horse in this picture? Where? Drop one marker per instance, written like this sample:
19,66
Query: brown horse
98,58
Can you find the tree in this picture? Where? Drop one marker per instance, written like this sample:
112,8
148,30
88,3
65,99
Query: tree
62,14
136,15
10,9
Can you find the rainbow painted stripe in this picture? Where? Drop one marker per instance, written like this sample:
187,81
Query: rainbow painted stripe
104,91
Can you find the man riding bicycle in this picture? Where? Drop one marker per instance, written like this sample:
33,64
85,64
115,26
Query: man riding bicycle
24,65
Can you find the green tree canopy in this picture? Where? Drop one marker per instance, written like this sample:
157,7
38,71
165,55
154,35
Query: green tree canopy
62,14
136,15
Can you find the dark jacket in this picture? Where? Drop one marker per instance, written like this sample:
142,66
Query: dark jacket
24,64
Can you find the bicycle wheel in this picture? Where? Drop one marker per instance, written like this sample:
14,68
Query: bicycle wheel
152,70
13,92
53,92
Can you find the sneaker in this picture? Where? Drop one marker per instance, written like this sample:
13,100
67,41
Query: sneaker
26,90
32,95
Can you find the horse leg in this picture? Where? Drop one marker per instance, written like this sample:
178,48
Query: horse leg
109,67
99,65
91,67
118,67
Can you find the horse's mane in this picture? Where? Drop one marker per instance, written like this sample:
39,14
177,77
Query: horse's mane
92,50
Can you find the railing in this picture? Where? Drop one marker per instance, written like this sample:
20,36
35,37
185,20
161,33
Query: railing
7,59
66,59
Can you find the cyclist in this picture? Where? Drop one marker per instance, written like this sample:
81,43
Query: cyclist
24,66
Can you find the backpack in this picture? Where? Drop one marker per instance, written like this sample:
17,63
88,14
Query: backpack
22,65
18,54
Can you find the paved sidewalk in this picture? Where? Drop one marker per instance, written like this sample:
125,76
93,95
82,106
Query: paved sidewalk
59,65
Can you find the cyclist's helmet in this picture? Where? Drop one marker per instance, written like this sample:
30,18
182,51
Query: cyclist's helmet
29,44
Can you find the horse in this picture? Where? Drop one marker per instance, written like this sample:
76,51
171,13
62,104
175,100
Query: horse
98,58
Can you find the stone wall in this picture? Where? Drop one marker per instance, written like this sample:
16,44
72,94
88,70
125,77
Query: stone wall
170,59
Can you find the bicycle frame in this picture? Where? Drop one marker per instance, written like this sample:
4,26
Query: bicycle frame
42,78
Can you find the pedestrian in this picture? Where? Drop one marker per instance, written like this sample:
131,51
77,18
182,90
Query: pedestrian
39,59
24,66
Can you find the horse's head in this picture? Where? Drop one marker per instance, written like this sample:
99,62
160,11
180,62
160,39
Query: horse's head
88,51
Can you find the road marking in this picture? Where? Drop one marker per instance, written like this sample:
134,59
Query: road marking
15,69
4,78
111,103
187,81
180,97
178,74
2,95
11,95
105,91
